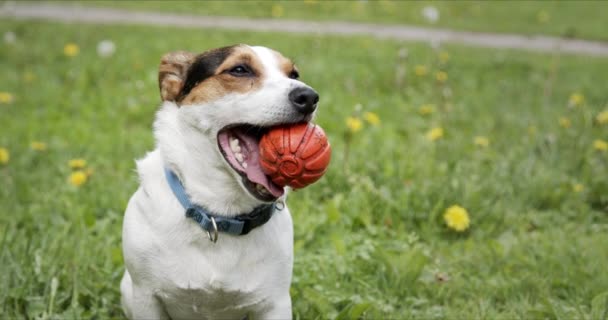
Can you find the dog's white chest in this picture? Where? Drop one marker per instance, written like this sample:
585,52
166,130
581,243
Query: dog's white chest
171,260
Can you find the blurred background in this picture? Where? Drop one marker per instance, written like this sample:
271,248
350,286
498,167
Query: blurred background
469,179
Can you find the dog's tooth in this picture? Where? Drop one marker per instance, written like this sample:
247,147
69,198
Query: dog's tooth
234,145
238,156
261,189
244,165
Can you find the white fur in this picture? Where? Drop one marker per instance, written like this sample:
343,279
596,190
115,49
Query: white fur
173,270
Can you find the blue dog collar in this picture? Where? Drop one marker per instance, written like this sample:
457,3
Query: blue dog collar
239,225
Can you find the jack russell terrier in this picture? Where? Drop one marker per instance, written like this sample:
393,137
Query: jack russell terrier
207,234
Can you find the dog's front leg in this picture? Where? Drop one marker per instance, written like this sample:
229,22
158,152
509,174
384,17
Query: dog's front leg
138,303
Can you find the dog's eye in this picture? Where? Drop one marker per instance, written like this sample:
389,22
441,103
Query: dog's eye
294,74
240,71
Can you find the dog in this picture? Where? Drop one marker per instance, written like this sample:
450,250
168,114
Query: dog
207,235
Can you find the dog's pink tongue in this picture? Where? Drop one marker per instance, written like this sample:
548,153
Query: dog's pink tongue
254,170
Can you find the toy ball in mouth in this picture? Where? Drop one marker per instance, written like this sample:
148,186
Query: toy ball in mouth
295,155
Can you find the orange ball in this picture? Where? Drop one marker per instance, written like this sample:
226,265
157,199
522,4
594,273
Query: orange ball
295,155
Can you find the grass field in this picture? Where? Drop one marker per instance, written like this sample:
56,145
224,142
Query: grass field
517,143
579,19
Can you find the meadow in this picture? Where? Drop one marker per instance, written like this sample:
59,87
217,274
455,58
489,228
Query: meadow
516,140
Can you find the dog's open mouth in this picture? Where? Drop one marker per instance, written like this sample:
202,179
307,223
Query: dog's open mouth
240,147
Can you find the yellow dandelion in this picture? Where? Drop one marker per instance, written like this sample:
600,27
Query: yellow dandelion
6,97
578,187
277,11
5,156
441,76
565,122
543,16
426,109
354,124
77,163
78,178
38,146
371,118
444,57
481,141
602,117
600,145
457,218
28,77
71,50
435,134
420,70
576,99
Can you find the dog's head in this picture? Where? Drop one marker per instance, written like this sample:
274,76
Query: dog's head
233,95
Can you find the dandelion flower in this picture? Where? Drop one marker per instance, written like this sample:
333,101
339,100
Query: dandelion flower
5,156
277,11
371,118
420,70
576,100
426,109
28,77
106,48
565,122
431,14
77,163
457,218
9,37
38,146
435,134
600,145
602,117
444,57
578,188
71,50
6,97
481,141
78,178
543,16
354,124
441,76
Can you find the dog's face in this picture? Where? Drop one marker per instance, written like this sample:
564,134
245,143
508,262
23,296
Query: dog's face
233,95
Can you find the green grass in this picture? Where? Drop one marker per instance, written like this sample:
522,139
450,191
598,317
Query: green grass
370,240
579,19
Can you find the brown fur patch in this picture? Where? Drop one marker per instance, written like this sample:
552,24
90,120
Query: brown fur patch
223,83
172,73
285,65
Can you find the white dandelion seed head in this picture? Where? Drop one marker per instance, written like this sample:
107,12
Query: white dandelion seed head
435,43
106,48
431,14
9,37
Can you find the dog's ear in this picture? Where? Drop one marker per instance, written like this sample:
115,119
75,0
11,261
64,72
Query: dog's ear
172,73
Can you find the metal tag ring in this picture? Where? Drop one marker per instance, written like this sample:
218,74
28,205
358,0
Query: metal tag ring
215,233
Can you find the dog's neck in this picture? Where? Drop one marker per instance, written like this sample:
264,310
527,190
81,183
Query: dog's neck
193,155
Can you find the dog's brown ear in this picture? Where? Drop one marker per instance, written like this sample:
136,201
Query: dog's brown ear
172,73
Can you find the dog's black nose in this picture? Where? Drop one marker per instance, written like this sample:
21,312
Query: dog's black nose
304,99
